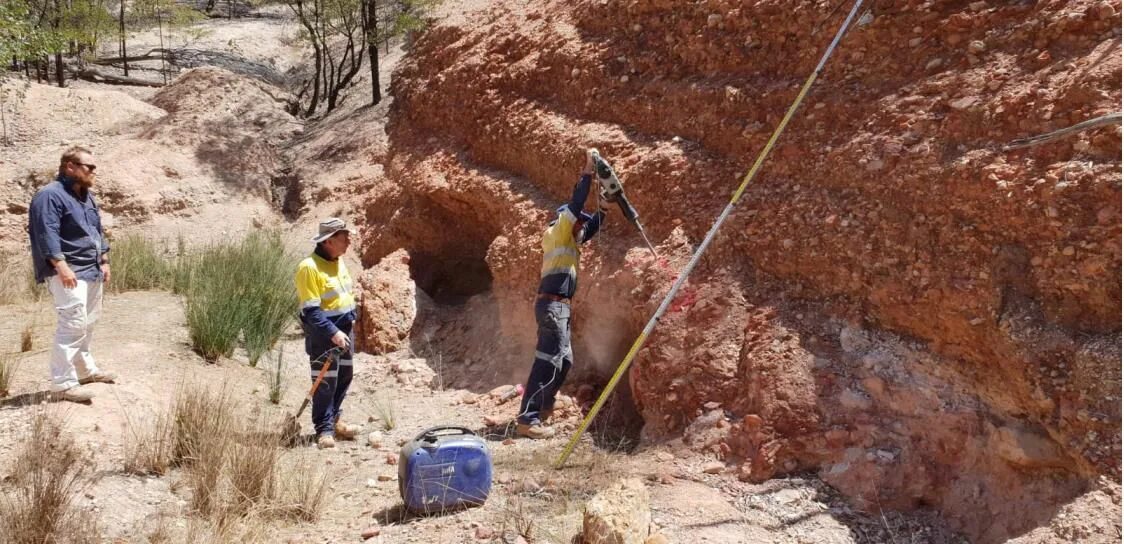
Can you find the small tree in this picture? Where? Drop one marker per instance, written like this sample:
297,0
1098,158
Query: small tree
371,32
342,32
336,31
26,33
84,23
20,38
164,15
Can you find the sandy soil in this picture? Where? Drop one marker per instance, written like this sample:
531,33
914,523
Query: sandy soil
153,358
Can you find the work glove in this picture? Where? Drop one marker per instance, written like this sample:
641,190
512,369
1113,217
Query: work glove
341,340
588,168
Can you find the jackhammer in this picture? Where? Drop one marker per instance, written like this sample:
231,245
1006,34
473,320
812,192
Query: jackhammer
613,191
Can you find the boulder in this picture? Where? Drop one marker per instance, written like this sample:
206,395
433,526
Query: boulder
620,514
387,304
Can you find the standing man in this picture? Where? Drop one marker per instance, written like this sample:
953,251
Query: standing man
327,316
559,281
69,253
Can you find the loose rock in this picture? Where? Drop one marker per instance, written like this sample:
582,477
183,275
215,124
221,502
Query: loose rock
714,467
618,515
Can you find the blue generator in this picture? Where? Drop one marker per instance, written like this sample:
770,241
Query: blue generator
444,468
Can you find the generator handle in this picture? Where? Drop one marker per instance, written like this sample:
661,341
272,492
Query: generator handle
430,434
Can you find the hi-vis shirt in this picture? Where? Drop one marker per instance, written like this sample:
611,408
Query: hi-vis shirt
324,290
559,274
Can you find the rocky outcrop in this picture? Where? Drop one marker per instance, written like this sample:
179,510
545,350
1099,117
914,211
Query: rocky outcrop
898,303
387,305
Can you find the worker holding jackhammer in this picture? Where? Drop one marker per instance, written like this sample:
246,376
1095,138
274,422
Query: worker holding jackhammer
327,316
559,281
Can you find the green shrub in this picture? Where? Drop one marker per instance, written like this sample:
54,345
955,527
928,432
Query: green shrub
137,263
239,291
270,300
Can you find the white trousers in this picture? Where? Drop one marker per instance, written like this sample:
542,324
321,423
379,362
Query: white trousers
78,309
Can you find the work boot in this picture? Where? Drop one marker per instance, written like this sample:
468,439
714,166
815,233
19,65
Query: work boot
100,376
325,441
74,394
533,430
346,432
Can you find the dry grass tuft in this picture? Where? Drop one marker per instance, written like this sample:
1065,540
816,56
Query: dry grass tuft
386,411
302,489
38,501
517,518
27,337
9,363
276,378
17,292
200,425
238,470
151,451
251,471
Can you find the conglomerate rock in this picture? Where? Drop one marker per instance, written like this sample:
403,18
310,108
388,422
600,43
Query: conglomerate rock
898,302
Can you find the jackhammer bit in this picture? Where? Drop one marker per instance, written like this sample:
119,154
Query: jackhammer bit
613,191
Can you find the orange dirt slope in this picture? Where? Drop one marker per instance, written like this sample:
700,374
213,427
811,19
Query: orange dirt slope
898,303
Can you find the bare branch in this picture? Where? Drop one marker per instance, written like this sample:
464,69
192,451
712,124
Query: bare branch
1110,119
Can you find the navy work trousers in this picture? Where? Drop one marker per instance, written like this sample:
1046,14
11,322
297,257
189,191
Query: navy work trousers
327,402
553,360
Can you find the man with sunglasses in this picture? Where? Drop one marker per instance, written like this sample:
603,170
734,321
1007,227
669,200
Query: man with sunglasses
69,254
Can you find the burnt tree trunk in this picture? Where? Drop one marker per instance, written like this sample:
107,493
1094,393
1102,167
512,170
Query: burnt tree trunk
308,21
370,35
124,52
60,70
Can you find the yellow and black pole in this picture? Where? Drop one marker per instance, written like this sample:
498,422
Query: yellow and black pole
636,345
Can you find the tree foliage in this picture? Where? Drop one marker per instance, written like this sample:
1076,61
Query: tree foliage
84,23
22,34
32,31
149,13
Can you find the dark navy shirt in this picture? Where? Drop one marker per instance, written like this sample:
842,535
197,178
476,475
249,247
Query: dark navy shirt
64,225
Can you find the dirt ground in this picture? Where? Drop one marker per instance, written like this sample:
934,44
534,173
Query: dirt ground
153,358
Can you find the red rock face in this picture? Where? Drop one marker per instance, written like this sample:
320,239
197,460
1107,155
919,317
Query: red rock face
897,302
388,305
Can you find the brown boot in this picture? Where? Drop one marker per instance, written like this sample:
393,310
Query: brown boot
536,432
345,431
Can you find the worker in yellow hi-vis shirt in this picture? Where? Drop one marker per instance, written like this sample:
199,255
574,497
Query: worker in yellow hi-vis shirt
327,316
557,284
